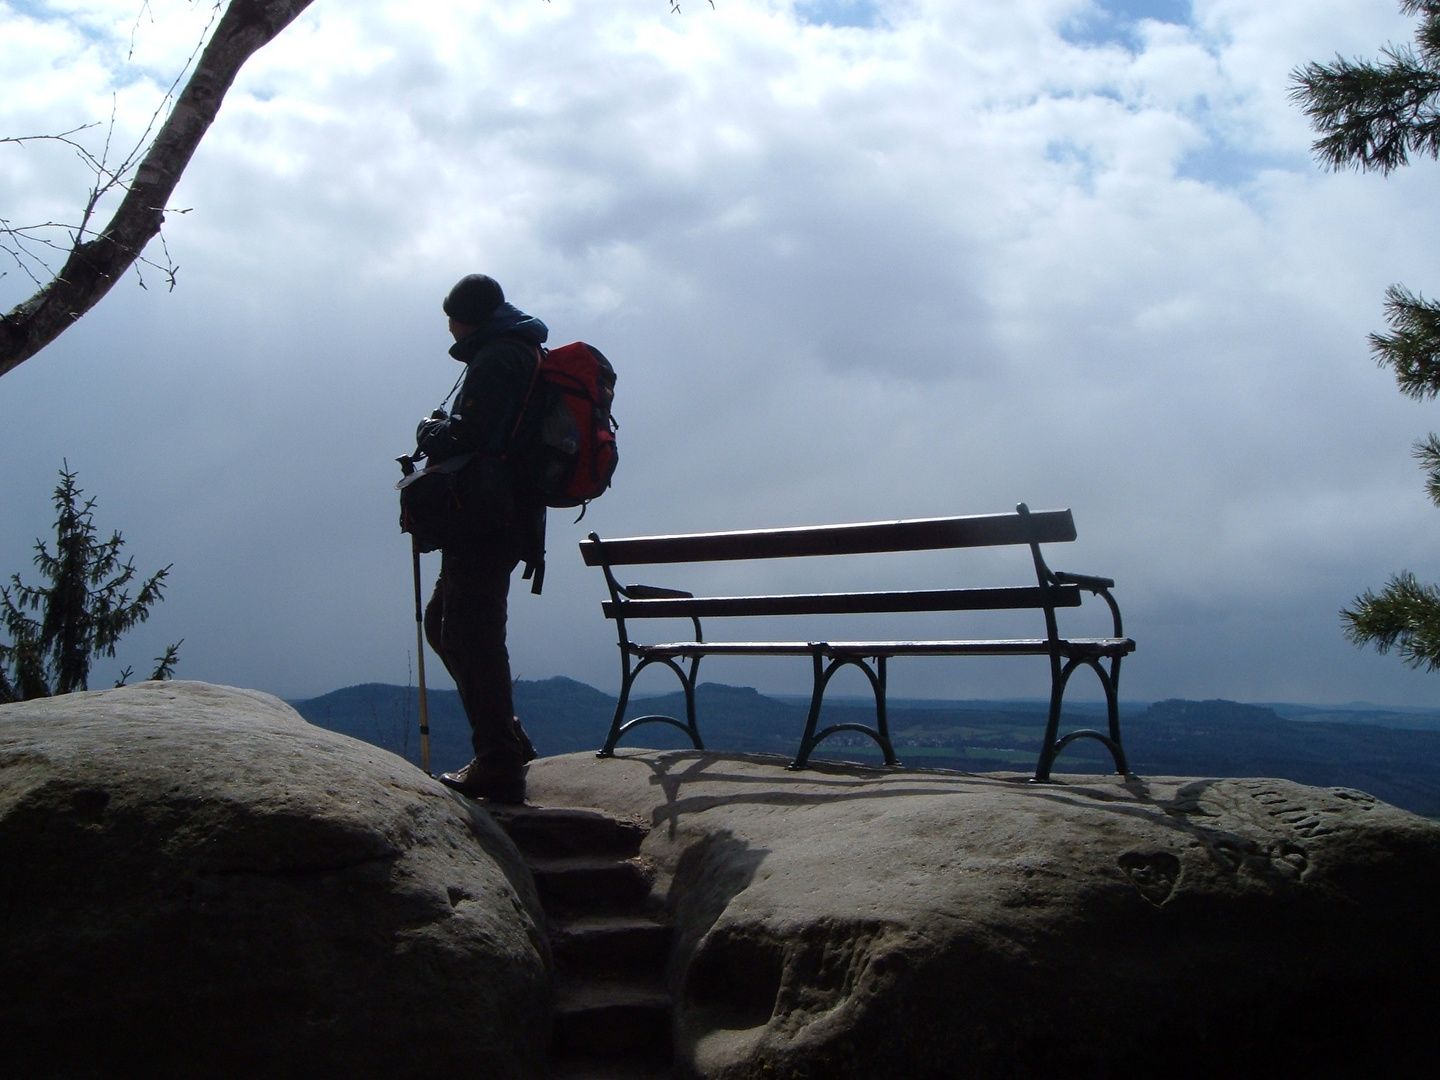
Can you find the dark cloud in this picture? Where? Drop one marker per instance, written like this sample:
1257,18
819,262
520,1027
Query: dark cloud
841,279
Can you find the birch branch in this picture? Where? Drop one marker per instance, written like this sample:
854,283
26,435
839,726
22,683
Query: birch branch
93,266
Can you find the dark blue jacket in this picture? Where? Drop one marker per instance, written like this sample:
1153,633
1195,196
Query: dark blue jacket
495,487
500,360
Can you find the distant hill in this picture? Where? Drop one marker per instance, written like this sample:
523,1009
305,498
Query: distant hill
1203,738
1223,738
389,717
1361,713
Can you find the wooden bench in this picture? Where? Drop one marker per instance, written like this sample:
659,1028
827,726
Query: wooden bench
1052,590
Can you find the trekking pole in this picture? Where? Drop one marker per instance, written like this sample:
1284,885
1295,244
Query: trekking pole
420,655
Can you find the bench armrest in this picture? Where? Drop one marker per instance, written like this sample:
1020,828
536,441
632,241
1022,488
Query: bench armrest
1085,581
1100,586
653,592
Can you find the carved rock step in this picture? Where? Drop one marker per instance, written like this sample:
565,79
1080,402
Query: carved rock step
611,944
612,1015
591,883
605,1017
560,831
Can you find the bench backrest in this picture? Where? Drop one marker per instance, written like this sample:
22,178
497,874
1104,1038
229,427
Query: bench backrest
927,534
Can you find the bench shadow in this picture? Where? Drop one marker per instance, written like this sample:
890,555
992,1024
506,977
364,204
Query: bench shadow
673,771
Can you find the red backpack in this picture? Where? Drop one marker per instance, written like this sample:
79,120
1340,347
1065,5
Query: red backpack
577,452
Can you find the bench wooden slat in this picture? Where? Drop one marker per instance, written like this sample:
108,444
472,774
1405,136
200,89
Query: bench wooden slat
986,647
1025,596
925,534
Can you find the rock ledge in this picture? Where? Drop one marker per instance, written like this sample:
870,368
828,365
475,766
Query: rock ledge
848,922
196,882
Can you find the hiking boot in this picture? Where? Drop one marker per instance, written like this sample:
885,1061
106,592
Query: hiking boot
527,748
476,781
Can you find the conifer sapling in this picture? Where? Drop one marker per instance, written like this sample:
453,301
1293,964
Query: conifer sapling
1372,116
56,630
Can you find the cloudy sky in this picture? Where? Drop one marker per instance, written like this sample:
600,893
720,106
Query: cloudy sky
853,259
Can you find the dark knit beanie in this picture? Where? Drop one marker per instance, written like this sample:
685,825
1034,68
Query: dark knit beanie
474,299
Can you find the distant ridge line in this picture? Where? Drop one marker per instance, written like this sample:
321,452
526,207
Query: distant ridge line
1390,754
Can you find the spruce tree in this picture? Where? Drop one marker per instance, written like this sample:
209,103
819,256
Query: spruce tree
82,612
1371,116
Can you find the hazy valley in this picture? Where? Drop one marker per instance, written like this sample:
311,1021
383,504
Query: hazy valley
1392,754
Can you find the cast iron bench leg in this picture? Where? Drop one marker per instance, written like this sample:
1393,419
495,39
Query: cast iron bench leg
817,693
881,733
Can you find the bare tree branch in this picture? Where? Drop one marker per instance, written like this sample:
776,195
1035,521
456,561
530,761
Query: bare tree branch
92,266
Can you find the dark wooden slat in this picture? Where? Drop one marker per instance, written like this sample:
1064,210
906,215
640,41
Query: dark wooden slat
1030,596
988,647
982,530
653,592
725,648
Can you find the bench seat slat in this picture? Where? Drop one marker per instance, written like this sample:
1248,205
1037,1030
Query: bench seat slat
987,647
1028,596
925,534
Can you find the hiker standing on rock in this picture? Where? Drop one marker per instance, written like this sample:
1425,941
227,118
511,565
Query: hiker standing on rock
495,416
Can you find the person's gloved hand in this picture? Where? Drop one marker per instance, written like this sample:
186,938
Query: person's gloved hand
428,428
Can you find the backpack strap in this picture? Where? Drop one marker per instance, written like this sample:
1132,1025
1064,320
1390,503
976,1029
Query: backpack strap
529,393
534,568
535,574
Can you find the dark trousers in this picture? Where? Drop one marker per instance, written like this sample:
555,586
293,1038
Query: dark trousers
465,625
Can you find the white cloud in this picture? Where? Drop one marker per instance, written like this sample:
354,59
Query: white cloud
935,260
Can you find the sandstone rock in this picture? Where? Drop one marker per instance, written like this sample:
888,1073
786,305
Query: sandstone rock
855,923
196,883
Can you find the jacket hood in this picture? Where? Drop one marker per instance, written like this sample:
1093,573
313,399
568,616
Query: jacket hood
507,321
